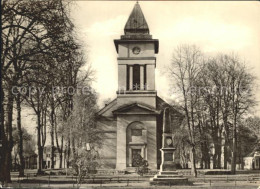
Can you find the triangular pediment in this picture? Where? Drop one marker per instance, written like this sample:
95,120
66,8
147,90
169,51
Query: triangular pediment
135,108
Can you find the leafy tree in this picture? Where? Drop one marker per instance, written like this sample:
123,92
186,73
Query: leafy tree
247,141
142,165
86,161
80,127
253,123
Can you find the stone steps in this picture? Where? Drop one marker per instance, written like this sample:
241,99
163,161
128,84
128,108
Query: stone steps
168,173
131,169
168,176
170,179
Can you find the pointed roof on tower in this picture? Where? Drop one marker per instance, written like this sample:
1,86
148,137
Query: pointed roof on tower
136,23
137,30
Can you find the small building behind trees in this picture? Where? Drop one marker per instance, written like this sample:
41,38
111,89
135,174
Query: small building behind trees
47,158
252,160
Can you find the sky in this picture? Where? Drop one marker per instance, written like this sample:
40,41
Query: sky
214,26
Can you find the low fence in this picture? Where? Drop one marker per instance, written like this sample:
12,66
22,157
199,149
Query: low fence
128,180
48,180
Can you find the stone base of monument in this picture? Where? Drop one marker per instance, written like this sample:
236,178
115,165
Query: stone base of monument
169,178
168,174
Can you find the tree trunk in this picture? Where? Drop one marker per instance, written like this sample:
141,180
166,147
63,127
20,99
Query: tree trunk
40,149
206,158
215,160
9,146
234,146
3,141
73,146
40,159
52,136
61,151
218,153
226,141
208,162
225,156
68,153
20,133
219,157
193,162
7,165
15,162
59,147
202,155
215,151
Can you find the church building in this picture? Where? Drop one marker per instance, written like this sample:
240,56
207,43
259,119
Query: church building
132,123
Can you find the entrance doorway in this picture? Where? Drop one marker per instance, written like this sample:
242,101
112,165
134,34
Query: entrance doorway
136,157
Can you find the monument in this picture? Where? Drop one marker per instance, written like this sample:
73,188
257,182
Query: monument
168,174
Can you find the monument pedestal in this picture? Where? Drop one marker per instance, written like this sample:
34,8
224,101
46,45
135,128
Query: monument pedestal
167,155
168,174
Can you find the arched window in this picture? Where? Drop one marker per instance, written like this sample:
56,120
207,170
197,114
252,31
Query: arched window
136,132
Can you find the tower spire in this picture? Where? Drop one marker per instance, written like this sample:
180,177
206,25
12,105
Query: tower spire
136,23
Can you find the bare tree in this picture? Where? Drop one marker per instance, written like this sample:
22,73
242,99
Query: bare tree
240,85
184,70
227,97
28,33
211,82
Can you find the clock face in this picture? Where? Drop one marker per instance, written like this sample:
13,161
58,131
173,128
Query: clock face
169,141
136,50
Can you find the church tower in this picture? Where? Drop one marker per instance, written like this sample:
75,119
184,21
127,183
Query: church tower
136,61
132,123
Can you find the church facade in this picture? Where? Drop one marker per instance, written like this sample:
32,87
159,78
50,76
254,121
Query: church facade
132,123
